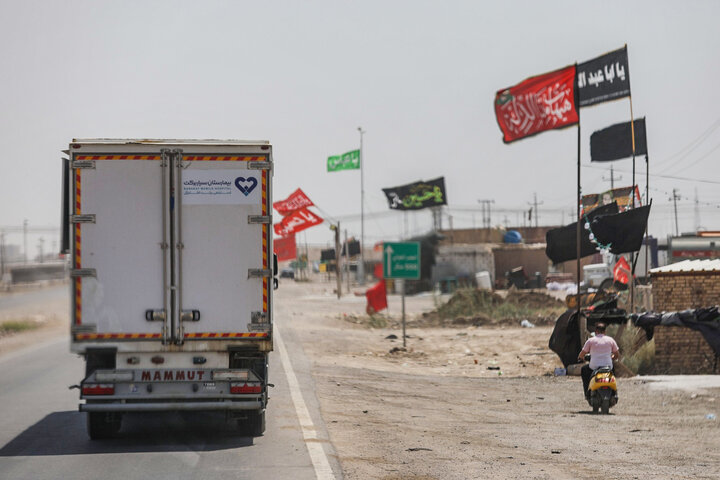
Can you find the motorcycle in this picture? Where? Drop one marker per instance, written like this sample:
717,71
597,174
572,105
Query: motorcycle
603,390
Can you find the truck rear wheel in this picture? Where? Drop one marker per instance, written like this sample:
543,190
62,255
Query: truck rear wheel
101,425
253,425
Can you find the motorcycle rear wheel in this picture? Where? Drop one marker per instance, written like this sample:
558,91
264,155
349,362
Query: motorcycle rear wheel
605,407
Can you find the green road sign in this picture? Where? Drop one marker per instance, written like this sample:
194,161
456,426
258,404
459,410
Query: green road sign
401,260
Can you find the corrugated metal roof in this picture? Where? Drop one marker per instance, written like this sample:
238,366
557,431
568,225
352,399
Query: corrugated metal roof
689,266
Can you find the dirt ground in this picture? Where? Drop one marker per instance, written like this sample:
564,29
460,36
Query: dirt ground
50,317
437,410
463,401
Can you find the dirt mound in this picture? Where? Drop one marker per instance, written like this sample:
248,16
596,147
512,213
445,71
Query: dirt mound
533,299
481,307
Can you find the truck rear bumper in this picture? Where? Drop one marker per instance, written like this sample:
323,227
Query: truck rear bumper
169,406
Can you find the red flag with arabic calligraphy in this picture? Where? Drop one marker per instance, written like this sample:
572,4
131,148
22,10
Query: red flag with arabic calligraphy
296,222
295,201
537,104
285,248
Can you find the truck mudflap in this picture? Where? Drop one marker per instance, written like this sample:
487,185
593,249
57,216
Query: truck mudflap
154,390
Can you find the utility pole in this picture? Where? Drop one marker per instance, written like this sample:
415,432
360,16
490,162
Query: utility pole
697,211
675,198
25,225
612,178
2,255
41,243
361,266
338,272
347,261
486,213
535,206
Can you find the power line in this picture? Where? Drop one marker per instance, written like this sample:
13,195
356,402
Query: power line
692,145
671,177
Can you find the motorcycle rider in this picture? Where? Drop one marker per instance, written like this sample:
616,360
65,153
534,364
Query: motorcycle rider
602,349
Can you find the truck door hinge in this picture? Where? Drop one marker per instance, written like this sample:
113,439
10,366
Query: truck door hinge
85,218
84,328
263,219
83,272
259,165
259,272
258,317
84,164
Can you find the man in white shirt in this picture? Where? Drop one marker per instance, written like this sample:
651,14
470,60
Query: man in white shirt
602,349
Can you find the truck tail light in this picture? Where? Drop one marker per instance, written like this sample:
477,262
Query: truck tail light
245,388
98,389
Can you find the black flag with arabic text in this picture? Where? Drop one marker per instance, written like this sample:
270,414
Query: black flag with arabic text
417,195
604,78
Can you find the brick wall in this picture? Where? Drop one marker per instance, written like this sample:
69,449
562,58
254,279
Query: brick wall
680,350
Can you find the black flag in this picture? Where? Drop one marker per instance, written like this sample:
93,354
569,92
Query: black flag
604,78
561,242
615,142
417,195
623,231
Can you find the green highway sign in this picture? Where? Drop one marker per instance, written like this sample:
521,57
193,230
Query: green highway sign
401,260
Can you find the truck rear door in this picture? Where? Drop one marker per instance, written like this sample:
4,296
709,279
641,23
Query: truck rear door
117,233
223,235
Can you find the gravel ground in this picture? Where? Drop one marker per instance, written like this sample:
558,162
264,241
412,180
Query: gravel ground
435,411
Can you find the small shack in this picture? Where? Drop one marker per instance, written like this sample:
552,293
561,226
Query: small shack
680,286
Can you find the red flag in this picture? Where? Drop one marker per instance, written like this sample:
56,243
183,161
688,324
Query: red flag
376,298
537,104
621,271
295,201
297,221
285,248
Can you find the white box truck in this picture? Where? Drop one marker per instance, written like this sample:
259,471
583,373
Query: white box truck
172,274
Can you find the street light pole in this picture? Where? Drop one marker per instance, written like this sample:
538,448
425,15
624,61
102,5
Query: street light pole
361,267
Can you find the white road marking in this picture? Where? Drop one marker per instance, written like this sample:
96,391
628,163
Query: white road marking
315,449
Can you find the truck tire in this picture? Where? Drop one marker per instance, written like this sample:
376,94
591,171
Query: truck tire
254,424
101,425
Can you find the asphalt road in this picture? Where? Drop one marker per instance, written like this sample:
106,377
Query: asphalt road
43,436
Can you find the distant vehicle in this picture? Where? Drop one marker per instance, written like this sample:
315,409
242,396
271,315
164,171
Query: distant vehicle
172,277
595,274
287,273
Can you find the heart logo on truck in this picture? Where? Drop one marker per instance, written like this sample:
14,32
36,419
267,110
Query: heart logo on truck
246,185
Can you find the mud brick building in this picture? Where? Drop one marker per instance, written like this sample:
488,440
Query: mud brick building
680,286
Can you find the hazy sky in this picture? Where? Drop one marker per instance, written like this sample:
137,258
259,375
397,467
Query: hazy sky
418,76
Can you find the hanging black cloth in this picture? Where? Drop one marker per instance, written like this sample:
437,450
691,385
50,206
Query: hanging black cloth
705,320
623,231
565,338
561,242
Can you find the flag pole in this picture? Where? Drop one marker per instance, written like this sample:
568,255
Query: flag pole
361,267
632,136
579,198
